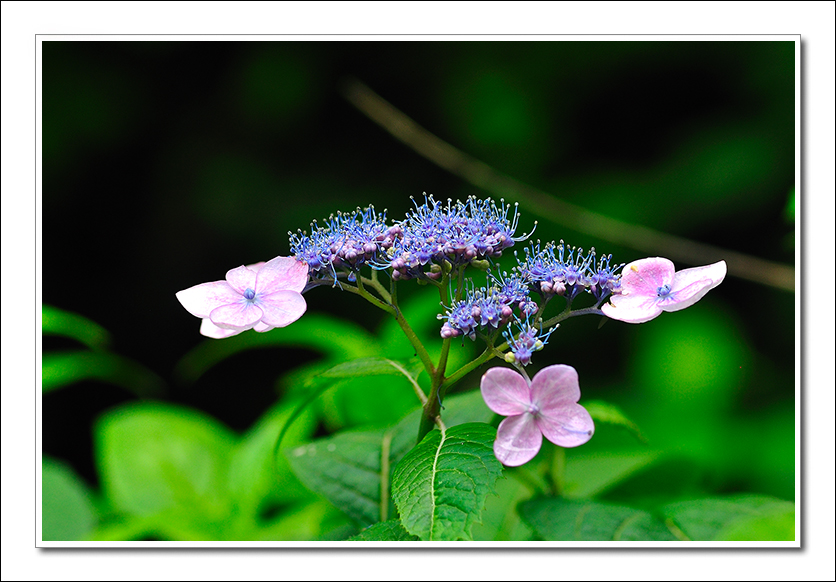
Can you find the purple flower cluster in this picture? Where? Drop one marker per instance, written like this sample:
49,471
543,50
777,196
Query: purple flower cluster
432,239
436,237
487,307
528,340
346,243
567,271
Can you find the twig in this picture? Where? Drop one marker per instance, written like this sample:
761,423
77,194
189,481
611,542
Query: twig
550,208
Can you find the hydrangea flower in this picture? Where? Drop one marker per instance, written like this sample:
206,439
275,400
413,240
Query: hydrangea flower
651,286
558,269
347,242
455,234
547,407
261,296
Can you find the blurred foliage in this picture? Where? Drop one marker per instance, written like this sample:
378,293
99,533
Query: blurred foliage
741,518
68,510
166,164
61,368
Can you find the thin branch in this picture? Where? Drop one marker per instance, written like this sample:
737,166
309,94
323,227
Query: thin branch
550,208
415,386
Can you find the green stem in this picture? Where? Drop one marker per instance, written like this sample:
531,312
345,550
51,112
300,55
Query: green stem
420,350
530,479
445,349
466,369
376,301
393,309
375,283
556,470
566,314
497,351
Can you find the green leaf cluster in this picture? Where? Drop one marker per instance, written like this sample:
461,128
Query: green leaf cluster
732,518
173,473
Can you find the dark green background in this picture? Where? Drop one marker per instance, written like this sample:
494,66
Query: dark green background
167,163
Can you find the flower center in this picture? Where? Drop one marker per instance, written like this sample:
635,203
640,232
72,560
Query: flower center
663,291
249,294
533,409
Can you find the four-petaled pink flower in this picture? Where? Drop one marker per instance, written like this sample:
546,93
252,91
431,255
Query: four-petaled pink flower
548,407
650,286
261,296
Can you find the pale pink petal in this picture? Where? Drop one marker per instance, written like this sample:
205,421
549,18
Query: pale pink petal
201,299
517,440
569,426
209,329
282,307
691,285
505,391
239,316
554,387
256,267
282,274
262,327
632,308
645,276
241,278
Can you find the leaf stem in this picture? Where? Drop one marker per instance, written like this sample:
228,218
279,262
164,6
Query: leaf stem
467,368
566,314
556,470
375,283
415,386
362,292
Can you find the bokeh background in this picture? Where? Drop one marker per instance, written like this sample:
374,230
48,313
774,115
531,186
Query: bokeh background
167,163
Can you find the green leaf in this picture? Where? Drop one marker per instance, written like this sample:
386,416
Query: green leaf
375,366
255,479
591,474
67,510
168,461
367,395
127,529
500,520
610,414
557,519
378,401
56,321
384,531
59,370
313,520
740,518
348,470
441,485
331,336
777,526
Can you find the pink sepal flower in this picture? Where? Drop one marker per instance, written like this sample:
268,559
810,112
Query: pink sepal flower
259,296
548,407
651,286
